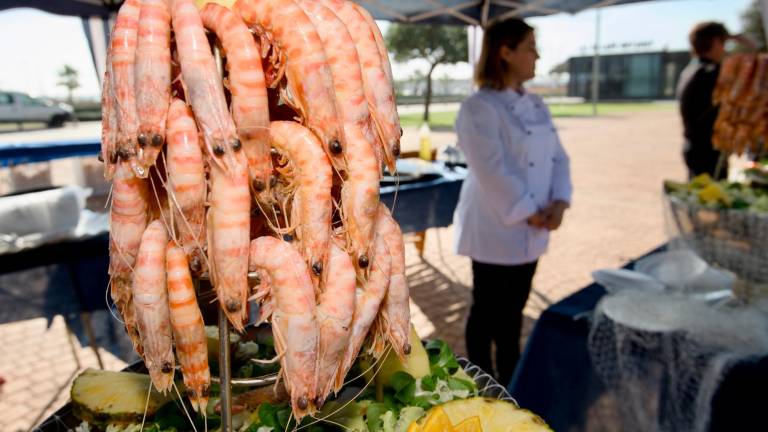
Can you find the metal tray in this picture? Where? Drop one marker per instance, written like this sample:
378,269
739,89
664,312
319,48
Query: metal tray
64,420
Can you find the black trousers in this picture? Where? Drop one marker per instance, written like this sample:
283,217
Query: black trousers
496,317
705,161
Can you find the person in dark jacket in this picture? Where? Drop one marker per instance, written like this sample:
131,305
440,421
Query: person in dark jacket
694,90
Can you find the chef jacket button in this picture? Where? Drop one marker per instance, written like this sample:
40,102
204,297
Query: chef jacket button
530,164
537,106
532,195
528,132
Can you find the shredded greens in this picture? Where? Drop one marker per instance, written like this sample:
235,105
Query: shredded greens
705,191
405,399
378,407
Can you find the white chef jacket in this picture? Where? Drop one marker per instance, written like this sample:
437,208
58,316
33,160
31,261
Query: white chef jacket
517,166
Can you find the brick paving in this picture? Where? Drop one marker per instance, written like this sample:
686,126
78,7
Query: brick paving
618,165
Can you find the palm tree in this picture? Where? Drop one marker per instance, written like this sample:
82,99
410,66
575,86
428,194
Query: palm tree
68,79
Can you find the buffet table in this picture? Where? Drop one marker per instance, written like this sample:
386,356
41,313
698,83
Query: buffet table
419,205
557,379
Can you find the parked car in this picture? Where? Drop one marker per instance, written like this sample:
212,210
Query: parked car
20,108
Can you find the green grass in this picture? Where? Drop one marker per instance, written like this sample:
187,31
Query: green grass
441,119
585,109
446,119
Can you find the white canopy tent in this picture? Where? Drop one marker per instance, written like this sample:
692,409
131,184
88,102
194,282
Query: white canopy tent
97,16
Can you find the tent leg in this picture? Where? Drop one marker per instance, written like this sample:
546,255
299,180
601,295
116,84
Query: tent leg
596,65
764,9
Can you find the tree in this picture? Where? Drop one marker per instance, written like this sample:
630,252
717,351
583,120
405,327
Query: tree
752,24
437,44
68,78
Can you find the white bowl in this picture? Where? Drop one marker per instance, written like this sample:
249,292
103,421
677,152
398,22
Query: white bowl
620,279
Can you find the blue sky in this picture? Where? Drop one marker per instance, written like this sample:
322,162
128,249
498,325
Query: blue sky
37,44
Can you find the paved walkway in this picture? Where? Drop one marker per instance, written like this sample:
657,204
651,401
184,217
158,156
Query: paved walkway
618,164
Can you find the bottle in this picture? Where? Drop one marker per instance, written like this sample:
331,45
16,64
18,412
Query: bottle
425,142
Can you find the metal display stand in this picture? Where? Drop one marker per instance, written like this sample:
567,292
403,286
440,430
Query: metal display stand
225,380
225,374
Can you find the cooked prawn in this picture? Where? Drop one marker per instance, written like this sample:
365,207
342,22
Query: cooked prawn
186,182
250,109
123,57
150,301
376,83
379,41
368,299
334,315
360,190
228,226
294,322
127,221
312,205
394,316
108,125
153,78
309,82
203,87
188,328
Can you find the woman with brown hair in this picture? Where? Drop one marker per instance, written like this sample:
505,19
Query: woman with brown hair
517,190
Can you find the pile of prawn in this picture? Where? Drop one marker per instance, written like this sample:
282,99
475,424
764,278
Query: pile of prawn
742,95
268,167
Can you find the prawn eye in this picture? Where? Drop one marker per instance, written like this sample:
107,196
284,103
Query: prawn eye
236,145
233,305
319,401
302,403
167,368
401,132
335,146
259,185
142,139
396,149
317,268
272,180
407,348
191,393
123,154
194,264
218,150
101,157
157,140
362,261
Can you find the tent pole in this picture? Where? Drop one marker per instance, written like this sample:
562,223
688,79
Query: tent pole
97,35
764,9
596,64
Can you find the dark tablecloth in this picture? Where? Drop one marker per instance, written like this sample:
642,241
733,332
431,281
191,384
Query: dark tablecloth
555,377
20,153
422,205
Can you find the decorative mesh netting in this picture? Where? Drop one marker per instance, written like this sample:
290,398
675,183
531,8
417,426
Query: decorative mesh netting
662,356
732,239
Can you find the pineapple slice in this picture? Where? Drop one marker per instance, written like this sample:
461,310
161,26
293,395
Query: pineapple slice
416,364
102,397
494,415
414,427
437,421
471,424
